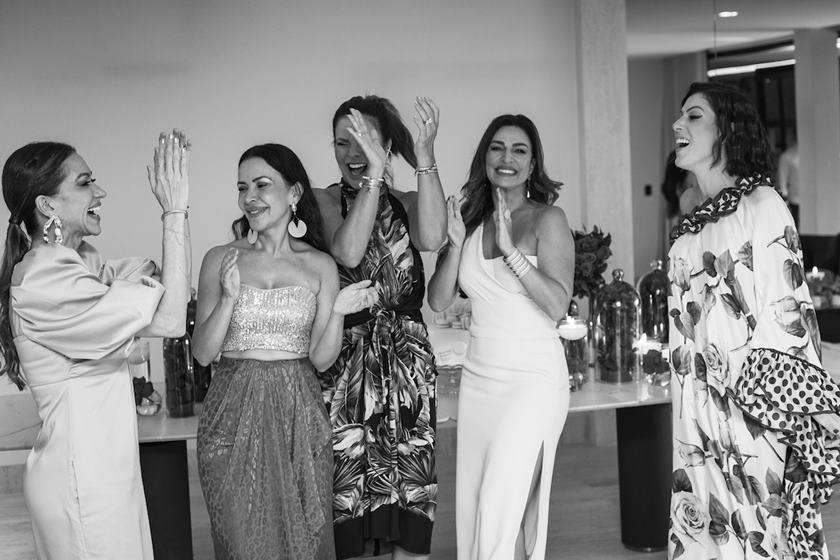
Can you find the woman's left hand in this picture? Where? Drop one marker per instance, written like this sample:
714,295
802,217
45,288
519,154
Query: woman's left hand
426,118
501,217
371,144
355,297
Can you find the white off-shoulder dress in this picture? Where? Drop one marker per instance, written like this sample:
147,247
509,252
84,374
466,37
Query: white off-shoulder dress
74,319
513,402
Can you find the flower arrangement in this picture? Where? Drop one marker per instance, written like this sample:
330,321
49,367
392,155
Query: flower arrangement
592,249
146,399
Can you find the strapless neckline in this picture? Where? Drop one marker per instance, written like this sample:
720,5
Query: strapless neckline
292,287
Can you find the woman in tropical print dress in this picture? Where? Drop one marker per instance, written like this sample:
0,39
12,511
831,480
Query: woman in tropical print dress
381,390
756,419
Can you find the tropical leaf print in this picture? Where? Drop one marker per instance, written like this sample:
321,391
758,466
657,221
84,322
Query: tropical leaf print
793,274
745,255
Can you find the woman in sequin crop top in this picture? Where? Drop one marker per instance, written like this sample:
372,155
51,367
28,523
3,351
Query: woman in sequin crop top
269,303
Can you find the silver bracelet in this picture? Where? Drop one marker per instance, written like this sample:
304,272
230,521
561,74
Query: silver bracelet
426,170
175,211
369,183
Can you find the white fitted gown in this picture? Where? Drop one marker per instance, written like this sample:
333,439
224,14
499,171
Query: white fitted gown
513,401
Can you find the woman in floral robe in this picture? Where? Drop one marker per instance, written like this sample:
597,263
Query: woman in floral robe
756,418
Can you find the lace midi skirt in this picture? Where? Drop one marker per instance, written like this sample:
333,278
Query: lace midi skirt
265,463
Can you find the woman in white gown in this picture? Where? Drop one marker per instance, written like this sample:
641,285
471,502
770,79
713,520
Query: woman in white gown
512,253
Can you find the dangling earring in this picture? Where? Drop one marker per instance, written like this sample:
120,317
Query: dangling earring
297,227
59,237
252,236
528,187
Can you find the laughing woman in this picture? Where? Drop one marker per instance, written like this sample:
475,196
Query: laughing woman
756,418
382,388
66,332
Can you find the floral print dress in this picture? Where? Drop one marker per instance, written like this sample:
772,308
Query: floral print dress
756,419
381,395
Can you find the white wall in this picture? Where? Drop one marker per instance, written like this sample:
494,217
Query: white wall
108,76
646,85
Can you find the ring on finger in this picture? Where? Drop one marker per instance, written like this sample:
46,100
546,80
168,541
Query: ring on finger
429,120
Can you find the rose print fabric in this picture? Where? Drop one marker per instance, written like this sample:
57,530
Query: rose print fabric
756,419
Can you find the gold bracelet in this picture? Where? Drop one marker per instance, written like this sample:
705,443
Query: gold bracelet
175,211
426,170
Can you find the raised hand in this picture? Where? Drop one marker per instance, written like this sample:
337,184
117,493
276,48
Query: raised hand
426,118
229,274
455,229
169,174
501,217
355,297
370,142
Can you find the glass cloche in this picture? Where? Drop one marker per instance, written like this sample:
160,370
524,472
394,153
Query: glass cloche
617,328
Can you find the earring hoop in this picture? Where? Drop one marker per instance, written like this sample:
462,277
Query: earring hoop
297,227
57,233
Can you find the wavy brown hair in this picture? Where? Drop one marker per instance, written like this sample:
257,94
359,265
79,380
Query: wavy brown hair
388,120
31,171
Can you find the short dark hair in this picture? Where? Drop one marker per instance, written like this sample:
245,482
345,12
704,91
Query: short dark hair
741,134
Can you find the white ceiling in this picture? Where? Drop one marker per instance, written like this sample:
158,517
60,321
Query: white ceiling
670,27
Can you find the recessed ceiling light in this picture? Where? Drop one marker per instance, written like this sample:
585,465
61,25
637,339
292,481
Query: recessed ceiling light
727,14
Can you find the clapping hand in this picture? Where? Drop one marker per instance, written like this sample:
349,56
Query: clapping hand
370,142
426,118
229,274
501,217
355,297
455,229
169,174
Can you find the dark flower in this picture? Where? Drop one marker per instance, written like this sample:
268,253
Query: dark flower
592,249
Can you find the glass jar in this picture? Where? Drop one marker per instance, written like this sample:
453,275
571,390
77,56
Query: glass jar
654,288
617,330
178,373
574,333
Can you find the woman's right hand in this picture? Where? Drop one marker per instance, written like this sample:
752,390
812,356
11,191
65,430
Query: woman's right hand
169,175
370,143
455,229
229,274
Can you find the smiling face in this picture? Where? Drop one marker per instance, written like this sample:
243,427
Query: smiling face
695,134
509,159
349,155
264,195
77,202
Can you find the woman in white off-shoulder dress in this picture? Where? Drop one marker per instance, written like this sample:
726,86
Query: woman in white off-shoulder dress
512,253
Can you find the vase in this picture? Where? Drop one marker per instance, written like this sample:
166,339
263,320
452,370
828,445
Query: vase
178,373
617,329
654,287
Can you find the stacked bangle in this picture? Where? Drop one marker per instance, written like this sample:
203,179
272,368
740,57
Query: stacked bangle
517,263
369,183
426,170
175,211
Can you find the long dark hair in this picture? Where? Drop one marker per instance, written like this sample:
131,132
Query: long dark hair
388,120
741,134
286,163
672,185
478,195
33,170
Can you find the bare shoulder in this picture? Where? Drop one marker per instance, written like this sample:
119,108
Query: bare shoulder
216,253
329,197
550,218
318,260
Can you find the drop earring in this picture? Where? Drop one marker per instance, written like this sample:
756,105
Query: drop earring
252,236
297,227
59,236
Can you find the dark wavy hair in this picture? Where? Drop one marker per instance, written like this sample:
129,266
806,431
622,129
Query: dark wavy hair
286,163
388,120
478,196
33,170
741,134
672,185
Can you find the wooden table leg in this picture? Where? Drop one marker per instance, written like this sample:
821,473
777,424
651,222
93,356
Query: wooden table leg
167,486
644,475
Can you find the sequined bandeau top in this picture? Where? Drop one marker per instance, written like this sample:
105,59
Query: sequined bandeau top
271,319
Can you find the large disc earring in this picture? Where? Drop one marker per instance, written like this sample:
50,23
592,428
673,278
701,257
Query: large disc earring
59,236
297,227
252,236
